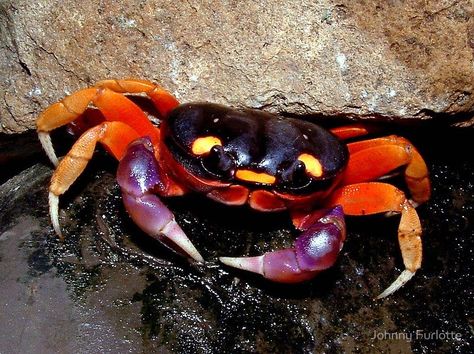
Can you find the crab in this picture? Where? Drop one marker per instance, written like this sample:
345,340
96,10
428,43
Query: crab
241,156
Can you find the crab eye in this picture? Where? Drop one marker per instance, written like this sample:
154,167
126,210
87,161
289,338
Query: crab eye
218,162
312,165
204,145
295,175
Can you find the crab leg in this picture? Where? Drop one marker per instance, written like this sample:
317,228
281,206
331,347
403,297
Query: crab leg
108,98
374,158
115,136
353,130
314,250
375,197
139,177
164,101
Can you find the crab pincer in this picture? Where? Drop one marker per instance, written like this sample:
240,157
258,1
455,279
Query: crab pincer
139,178
315,250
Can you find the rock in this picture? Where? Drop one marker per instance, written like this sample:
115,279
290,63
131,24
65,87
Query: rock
369,60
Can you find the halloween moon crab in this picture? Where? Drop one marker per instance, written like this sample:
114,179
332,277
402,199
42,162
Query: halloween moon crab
237,157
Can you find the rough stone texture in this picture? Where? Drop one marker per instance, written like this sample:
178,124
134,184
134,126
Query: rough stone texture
410,59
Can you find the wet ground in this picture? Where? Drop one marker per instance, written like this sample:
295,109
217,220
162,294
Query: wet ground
110,288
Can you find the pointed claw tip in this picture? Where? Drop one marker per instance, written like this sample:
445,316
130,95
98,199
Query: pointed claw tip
173,232
45,140
402,279
60,236
197,257
230,261
186,246
250,264
54,214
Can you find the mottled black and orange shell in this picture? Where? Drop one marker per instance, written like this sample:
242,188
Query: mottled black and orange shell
254,140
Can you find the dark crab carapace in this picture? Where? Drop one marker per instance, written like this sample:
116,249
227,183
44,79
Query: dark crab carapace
242,156
260,142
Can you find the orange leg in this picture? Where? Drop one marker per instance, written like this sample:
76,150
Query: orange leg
375,158
108,98
376,197
353,130
115,136
164,101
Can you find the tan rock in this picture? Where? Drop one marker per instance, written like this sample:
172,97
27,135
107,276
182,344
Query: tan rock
410,59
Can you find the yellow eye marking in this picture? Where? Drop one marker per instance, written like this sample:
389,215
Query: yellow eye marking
203,145
313,166
251,176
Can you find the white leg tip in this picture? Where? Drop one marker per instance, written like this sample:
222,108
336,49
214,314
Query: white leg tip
397,284
54,213
250,264
45,140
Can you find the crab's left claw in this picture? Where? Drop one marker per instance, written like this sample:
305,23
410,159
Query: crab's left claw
139,177
316,249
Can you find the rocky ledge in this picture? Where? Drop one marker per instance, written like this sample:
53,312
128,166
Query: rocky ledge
375,59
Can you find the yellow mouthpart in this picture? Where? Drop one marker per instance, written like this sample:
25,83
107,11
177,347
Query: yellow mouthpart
203,145
251,176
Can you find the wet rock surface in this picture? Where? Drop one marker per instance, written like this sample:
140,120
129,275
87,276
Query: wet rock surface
370,59
110,288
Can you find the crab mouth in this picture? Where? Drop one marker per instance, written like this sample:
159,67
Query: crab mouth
256,177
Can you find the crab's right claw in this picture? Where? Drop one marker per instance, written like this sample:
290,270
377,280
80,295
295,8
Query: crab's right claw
139,176
316,249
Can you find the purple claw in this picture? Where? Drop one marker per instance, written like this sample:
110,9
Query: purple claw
138,176
314,250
